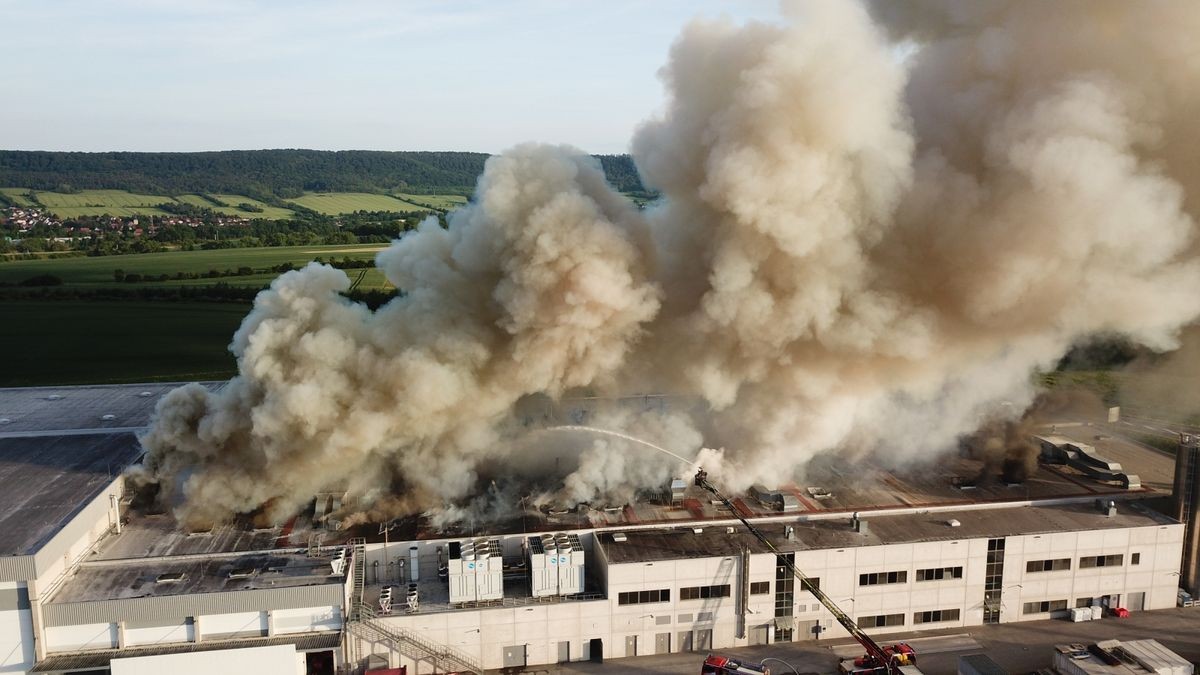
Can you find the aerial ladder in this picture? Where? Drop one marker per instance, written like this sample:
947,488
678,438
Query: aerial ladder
894,660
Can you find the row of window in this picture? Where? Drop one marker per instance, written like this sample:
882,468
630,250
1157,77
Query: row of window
936,616
877,578
939,573
704,592
884,620
1085,562
1044,606
644,597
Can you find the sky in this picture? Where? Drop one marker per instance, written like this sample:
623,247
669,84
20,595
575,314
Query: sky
191,75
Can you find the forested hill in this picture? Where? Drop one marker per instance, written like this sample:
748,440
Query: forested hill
279,173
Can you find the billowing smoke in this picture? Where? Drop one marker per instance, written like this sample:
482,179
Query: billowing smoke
875,223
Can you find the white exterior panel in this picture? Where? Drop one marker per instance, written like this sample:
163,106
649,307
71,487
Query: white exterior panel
276,660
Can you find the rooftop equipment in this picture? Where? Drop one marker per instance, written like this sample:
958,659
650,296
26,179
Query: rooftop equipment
556,565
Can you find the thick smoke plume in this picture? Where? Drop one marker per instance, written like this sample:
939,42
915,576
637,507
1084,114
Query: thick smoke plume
860,246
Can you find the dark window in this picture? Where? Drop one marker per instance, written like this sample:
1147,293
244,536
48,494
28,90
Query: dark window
1044,606
644,597
877,578
785,586
1048,565
881,620
939,573
1083,602
760,587
1101,561
936,615
1135,559
704,592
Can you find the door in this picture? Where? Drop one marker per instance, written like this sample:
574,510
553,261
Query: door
630,645
685,641
758,635
806,630
514,656
704,639
564,651
596,650
662,643
1136,601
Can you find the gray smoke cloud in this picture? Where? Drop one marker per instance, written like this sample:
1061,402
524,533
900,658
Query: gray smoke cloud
860,247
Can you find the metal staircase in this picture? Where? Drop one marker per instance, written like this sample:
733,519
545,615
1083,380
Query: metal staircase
367,626
359,551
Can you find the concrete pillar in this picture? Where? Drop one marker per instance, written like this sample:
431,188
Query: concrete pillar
270,623
38,620
120,635
196,628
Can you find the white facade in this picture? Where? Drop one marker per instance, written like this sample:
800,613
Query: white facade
275,660
943,586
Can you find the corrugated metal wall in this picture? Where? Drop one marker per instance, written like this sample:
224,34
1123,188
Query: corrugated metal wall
172,607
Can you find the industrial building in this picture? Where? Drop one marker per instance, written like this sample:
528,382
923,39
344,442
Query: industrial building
94,582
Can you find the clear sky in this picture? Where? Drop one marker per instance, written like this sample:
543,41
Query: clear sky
179,75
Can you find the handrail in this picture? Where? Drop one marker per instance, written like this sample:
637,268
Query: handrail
369,622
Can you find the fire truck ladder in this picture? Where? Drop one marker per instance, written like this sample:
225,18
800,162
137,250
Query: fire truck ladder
369,627
358,547
874,651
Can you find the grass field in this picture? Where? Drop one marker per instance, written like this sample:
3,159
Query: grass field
442,202
88,342
334,203
98,271
17,195
268,211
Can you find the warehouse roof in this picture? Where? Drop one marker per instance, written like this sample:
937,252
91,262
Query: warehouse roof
716,541
46,480
38,410
102,658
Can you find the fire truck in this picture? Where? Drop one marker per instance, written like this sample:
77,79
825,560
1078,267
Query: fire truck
897,659
722,665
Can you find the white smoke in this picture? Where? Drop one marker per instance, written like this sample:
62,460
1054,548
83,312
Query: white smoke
853,252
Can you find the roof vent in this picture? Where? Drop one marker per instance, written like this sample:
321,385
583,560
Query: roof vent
953,522
620,536
5,420
169,577
108,418
697,530
242,572
54,397
145,394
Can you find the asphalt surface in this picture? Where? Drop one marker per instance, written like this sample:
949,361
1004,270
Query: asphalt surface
1018,647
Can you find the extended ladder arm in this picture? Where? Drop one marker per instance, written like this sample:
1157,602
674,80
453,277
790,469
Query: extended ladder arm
863,639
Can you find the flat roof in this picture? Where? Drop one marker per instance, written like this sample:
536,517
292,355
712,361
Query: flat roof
651,545
45,480
113,580
158,535
1155,467
77,408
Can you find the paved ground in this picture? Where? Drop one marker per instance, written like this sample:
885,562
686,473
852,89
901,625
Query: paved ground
1017,647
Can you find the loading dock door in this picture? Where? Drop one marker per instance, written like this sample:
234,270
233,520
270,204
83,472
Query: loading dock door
685,641
630,645
704,639
514,657
1136,601
758,635
662,643
564,651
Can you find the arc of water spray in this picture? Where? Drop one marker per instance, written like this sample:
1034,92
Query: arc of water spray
617,434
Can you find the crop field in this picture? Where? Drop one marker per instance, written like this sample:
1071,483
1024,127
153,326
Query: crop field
101,202
334,203
17,195
98,271
64,342
269,212
440,202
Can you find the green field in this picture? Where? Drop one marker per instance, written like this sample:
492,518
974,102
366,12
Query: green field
268,211
17,195
98,271
441,202
88,342
334,203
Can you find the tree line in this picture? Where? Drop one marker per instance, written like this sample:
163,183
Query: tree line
266,174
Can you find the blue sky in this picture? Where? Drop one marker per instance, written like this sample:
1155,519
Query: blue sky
181,75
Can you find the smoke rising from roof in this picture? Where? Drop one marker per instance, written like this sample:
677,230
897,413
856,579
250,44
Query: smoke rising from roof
852,253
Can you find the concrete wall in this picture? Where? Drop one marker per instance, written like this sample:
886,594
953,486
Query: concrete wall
16,629
183,631
276,660
214,626
305,620
78,638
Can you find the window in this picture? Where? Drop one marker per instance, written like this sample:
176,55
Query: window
881,620
644,597
699,592
1083,602
785,586
939,573
815,581
936,615
1135,559
877,578
760,587
1101,561
1048,565
1044,606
